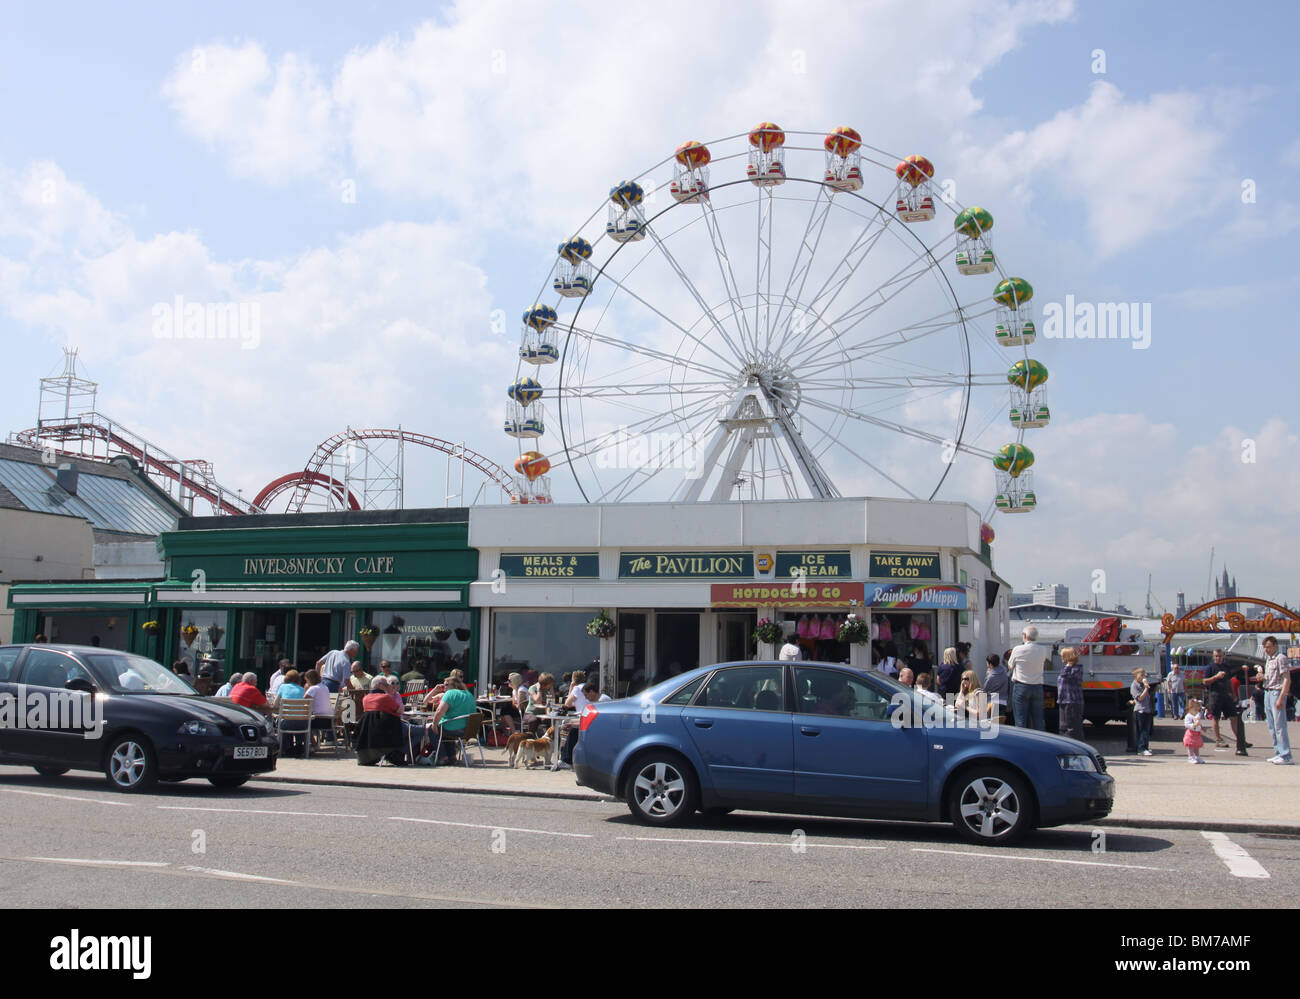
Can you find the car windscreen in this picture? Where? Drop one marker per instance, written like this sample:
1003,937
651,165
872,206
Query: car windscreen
126,674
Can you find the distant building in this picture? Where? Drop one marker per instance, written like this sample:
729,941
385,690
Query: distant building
1224,589
1181,611
1021,598
1056,593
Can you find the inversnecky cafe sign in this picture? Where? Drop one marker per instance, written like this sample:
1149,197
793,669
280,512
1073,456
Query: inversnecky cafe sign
337,566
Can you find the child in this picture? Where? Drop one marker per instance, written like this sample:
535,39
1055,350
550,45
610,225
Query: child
1192,738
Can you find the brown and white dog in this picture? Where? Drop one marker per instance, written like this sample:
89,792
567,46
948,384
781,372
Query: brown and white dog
520,748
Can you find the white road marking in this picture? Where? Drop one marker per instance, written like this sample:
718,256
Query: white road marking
259,811
70,797
84,862
237,876
1240,863
783,844
476,825
1040,860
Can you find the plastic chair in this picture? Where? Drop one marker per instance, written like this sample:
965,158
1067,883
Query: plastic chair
294,710
472,730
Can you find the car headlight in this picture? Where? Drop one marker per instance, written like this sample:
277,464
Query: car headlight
198,728
1077,761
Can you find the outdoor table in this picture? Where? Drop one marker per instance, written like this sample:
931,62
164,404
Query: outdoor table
562,723
494,702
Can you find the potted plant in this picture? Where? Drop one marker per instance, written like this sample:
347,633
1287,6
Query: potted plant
441,633
601,626
189,633
854,631
768,631
151,627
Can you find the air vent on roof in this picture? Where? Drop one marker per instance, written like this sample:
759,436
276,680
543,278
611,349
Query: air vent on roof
66,477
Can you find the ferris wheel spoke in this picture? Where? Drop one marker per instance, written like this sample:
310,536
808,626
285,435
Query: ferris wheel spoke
683,455
623,388
950,380
727,272
605,276
763,270
877,344
839,278
903,429
694,292
642,427
862,458
804,256
650,353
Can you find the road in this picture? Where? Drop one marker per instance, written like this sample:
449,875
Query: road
72,842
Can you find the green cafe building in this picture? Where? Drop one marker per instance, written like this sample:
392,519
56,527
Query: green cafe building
240,594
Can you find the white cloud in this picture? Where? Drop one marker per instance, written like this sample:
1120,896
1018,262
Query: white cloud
1140,167
273,121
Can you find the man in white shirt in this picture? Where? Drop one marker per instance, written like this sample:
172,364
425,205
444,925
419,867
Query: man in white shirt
277,678
1027,662
790,652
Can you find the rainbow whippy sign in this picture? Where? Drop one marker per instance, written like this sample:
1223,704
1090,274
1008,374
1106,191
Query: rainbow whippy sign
918,596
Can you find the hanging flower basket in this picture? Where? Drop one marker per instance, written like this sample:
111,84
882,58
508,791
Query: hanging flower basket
768,631
368,636
215,631
441,634
151,627
189,633
462,634
601,626
854,631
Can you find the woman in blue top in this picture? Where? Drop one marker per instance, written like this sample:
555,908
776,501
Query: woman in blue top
455,705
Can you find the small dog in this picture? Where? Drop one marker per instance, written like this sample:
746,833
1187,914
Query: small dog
521,748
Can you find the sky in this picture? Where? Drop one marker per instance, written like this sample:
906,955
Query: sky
384,190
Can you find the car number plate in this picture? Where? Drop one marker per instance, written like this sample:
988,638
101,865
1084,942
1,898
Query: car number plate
250,752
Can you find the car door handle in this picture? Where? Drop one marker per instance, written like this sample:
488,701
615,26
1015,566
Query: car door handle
703,723
809,731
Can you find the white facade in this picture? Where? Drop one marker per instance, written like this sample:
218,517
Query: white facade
756,531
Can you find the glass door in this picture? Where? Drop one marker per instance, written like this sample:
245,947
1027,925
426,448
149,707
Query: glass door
736,637
631,654
312,638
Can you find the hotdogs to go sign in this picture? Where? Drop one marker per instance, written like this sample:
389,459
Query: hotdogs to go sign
905,565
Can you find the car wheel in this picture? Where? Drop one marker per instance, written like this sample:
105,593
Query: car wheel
991,806
52,771
661,790
228,780
130,764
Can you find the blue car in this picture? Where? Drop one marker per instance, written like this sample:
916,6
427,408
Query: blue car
820,739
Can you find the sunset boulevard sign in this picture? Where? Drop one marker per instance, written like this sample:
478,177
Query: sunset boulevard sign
1284,621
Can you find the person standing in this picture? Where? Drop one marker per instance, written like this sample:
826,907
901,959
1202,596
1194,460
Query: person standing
1027,662
1276,680
948,674
790,652
1143,710
1177,691
1223,703
336,665
997,684
1069,695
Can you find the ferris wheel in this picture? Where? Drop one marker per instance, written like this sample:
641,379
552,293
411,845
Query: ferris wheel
777,315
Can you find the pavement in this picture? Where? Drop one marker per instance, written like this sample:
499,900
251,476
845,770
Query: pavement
1163,791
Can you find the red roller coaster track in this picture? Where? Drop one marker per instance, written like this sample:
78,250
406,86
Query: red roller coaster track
313,477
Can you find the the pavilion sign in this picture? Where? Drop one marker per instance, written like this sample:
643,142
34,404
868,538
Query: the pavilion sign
1283,622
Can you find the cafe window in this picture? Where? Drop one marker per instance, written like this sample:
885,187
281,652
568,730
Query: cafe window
202,640
432,643
546,641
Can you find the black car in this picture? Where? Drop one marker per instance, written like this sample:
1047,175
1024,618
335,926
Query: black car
69,707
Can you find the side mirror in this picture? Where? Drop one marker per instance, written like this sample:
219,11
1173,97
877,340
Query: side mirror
82,684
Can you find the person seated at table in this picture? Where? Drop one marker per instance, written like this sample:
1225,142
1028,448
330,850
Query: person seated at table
512,714
322,711
538,694
225,689
381,733
564,686
582,693
454,707
359,679
386,671
291,689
